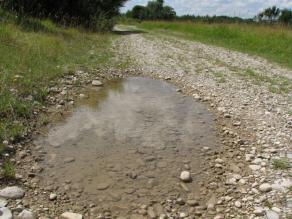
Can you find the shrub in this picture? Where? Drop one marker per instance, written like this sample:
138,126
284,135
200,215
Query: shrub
94,14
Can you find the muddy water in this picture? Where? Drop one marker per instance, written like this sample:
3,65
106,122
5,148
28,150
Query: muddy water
127,144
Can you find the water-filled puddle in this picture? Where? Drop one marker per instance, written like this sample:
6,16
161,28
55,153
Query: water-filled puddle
127,144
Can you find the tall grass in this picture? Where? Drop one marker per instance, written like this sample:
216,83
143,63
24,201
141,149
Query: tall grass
32,54
271,42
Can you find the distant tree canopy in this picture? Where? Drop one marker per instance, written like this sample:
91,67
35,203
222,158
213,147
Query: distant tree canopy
90,13
155,10
274,14
214,19
286,16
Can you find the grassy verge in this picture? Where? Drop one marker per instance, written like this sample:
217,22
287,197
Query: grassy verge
271,42
34,53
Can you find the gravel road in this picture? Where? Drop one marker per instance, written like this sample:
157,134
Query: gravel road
248,176
252,99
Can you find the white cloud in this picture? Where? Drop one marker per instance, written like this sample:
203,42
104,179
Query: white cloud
241,8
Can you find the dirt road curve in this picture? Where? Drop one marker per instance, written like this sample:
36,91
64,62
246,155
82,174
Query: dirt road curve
252,99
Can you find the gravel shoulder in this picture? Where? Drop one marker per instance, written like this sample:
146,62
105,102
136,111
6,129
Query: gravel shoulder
252,99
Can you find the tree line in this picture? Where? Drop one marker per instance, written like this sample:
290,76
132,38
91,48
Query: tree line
274,14
93,14
154,10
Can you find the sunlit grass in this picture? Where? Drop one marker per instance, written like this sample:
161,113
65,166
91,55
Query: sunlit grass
34,53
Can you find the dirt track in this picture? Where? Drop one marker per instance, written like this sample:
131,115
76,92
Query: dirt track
253,101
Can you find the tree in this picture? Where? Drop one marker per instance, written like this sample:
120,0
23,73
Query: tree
286,16
270,14
153,10
139,12
168,13
89,13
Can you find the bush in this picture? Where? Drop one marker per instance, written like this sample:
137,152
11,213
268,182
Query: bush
94,14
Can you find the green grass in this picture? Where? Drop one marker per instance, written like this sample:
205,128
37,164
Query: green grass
8,170
220,77
275,84
281,164
271,42
33,54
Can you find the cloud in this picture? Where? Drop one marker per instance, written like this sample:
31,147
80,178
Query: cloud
240,8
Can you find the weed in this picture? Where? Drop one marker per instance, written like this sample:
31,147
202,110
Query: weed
8,170
77,83
44,120
281,164
2,148
268,204
220,77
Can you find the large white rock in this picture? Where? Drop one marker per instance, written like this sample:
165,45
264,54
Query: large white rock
185,176
12,192
70,215
5,213
25,214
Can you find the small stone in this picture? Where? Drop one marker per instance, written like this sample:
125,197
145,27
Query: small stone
185,176
254,167
70,215
219,216
69,160
151,213
96,83
25,214
180,201
12,192
5,213
53,197
238,204
196,96
266,187
182,215
259,211
102,186
275,209
192,203
82,96
220,161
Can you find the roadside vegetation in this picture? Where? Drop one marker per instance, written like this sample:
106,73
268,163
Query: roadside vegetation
96,15
281,164
34,53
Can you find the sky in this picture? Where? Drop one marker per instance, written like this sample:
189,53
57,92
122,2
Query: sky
240,8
